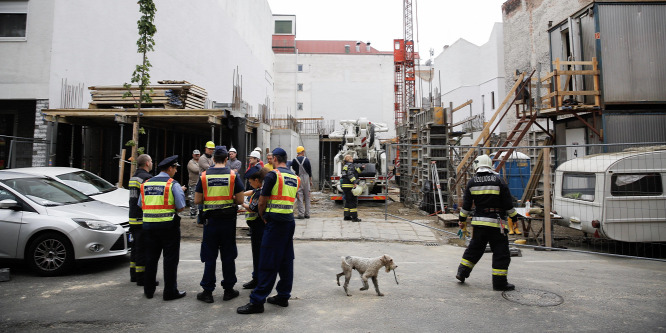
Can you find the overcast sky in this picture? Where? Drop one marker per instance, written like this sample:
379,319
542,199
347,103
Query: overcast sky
436,22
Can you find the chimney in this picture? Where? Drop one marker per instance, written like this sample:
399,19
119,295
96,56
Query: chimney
358,47
367,47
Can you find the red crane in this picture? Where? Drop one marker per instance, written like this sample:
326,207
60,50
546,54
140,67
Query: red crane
403,58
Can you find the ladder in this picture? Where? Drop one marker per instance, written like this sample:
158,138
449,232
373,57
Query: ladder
437,185
513,139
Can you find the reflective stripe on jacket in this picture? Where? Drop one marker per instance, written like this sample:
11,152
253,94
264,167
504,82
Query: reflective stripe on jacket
135,212
250,215
283,193
350,175
218,190
492,199
157,200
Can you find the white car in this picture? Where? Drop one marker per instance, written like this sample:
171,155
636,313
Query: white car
51,225
85,182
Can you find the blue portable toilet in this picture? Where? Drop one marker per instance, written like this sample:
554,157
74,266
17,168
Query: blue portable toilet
516,171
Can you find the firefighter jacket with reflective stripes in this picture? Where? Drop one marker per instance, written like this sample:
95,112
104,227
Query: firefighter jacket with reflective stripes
283,193
251,214
157,200
218,189
350,174
491,197
135,212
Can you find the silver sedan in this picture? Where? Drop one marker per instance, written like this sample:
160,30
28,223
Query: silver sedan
50,225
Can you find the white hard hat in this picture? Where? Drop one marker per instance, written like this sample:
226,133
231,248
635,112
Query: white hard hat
483,161
358,190
232,150
257,149
255,154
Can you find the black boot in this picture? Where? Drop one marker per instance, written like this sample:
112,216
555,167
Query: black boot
250,308
251,285
230,294
140,280
206,296
500,283
463,273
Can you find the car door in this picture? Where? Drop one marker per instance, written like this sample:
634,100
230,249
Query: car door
10,226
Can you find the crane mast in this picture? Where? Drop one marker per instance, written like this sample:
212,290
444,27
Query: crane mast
403,57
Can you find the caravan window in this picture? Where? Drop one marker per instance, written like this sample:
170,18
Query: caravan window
579,186
636,184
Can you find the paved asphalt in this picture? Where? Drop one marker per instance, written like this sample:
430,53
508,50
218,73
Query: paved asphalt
556,291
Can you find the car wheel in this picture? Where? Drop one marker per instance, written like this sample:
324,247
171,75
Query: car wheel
50,254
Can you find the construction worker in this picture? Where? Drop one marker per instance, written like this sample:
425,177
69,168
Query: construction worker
205,162
161,199
349,181
144,163
254,166
276,209
301,166
220,191
492,198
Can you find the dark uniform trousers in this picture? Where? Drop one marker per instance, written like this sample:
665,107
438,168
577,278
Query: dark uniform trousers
351,203
138,255
219,235
164,241
276,257
256,235
499,244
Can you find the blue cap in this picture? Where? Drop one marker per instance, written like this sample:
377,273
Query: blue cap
220,150
279,151
169,161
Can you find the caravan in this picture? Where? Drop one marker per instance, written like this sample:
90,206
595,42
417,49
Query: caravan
618,196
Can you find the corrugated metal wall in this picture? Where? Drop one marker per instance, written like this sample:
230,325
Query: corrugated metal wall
629,128
633,47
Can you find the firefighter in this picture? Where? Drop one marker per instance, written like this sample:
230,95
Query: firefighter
276,209
144,163
161,198
220,191
349,181
492,199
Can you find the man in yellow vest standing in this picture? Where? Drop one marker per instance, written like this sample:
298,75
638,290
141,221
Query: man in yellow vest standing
220,191
276,208
161,198
144,163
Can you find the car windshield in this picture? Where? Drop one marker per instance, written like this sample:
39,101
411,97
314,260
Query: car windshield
86,182
46,192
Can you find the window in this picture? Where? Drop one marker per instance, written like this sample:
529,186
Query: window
579,186
300,87
644,184
492,99
13,18
300,67
300,106
283,27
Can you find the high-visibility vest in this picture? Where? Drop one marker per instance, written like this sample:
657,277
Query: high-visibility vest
283,193
218,190
157,200
250,215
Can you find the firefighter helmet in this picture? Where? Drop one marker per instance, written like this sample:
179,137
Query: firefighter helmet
483,161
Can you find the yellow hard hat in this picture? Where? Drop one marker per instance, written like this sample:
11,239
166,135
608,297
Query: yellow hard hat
210,144
520,241
300,149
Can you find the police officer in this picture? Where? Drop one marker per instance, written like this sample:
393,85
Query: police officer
276,208
144,163
349,181
161,198
492,198
220,191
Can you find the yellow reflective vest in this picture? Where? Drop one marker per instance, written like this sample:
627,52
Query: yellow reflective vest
218,190
157,201
283,193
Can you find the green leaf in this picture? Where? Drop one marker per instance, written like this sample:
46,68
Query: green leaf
130,143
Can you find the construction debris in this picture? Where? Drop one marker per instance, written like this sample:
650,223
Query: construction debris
168,94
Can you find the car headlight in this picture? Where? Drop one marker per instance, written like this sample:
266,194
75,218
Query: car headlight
96,224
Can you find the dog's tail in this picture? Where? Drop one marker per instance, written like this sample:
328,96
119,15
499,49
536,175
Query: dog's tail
346,261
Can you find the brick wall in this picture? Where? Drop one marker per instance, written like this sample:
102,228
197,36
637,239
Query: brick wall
40,150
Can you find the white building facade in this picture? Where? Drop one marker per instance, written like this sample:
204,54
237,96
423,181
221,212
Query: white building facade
82,43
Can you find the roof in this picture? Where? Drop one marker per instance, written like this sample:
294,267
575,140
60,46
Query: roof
335,47
603,162
11,174
47,171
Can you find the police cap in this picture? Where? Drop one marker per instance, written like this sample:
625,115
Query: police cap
221,150
279,152
169,161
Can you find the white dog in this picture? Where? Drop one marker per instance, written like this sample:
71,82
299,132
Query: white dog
367,267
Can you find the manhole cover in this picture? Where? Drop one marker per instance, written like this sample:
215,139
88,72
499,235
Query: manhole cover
534,297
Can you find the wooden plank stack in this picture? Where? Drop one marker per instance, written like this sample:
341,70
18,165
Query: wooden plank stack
167,94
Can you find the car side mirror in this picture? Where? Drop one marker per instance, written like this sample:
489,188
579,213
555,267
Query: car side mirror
9,204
